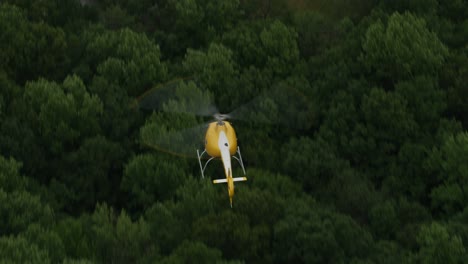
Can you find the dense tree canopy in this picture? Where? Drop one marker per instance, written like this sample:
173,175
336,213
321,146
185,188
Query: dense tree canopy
352,119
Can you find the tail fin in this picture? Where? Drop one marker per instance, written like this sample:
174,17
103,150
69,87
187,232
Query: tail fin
233,179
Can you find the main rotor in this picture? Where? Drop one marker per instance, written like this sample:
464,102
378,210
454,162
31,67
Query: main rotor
220,118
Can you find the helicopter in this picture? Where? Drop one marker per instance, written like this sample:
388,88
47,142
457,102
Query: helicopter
221,142
220,139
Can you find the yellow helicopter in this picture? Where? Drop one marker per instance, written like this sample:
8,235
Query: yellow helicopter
221,142
220,137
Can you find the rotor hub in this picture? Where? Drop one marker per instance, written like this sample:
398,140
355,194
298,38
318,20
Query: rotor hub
220,118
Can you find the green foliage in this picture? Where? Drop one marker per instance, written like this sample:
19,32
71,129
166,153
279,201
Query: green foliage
214,69
76,237
196,22
309,234
387,119
62,113
114,17
65,13
280,46
30,50
384,220
230,233
438,246
416,6
118,239
10,178
196,252
127,59
449,164
311,162
277,184
166,228
174,129
425,100
351,117
97,156
402,48
150,178
47,241
20,250
389,252
59,118
310,27
20,209
454,78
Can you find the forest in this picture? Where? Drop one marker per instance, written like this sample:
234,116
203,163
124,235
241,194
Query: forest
359,156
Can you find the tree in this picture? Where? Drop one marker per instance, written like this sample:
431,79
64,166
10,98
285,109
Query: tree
402,48
193,24
454,77
411,216
425,100
244,42
313,162
46,240
53,12
99,164
389,252
309,234
449,166
384,220
264,9
10,90
55,123
76,236
114,17
10,177
119,239
280,46
166,228
125,58
215,70
231,234
151,177
195,251
416,6
438,246
53,107
18,207
125,64
175,127
20,250
314,32
30,50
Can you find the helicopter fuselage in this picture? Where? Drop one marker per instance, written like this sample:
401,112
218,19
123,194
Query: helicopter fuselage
220,136
221,142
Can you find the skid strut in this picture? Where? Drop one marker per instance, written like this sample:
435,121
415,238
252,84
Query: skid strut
203,167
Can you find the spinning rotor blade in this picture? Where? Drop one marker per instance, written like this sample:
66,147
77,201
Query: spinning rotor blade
179,142
175,129
178,97
282,105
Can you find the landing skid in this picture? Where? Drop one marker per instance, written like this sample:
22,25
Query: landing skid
203,167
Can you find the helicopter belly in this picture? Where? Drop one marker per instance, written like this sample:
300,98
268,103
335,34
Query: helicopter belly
212,139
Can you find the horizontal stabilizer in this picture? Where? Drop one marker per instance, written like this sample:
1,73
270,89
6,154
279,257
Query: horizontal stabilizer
233,179
240,179
219,181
